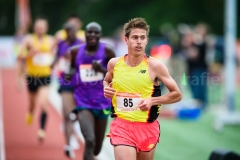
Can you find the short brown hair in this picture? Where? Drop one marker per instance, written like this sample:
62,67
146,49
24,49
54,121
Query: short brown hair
135,23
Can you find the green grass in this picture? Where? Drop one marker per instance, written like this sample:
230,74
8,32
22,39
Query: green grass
194,140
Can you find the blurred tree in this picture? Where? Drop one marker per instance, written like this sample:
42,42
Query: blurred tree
112,14
56,11
115,13
7,14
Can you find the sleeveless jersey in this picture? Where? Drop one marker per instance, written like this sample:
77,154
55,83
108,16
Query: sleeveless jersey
63,64
80,34
39,64
133,84
88,92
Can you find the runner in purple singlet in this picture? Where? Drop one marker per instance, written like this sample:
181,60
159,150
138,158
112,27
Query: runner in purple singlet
66,88
92,108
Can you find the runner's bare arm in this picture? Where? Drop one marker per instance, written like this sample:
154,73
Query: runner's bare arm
158,71
55,50
24,47
161,73
108,90
53,45
31,50
109,53
73,54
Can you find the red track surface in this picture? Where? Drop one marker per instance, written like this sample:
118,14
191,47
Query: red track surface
21,142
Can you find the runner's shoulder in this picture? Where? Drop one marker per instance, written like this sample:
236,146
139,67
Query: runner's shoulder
155,63
109,51
28,40
28,37
112,62
108,47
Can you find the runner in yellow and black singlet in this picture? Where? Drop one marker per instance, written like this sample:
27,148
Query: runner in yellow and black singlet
133,84
38,59
129,94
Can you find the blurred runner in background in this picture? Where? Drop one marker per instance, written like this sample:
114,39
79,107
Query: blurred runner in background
67,87
193,47
39,57
76,21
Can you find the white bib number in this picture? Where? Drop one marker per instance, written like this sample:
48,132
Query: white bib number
64,65
128,102
87,74
42,59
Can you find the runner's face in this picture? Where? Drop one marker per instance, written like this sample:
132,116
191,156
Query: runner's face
40,27
137,41
93,35
76,22
71,34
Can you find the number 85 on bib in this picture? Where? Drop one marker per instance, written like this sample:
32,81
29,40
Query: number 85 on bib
128,101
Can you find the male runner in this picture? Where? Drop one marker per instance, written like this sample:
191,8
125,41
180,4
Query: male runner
67,87
38,61
76,21
92,108
132,81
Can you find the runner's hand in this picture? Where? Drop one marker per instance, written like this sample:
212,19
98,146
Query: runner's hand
21,58
145,104
97,67
109,91
67,56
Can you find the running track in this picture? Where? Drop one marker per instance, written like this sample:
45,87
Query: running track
21,141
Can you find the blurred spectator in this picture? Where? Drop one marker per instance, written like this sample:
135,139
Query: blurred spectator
238,61
169,36
193,48
120,45
238,52
18,42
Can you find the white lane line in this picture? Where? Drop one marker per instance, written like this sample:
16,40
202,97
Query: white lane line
2,147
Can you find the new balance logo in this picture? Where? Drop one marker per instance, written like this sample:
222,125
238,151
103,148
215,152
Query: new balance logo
142,71
150,146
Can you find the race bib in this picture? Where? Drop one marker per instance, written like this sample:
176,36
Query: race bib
128,102
42,59
87,74
64,65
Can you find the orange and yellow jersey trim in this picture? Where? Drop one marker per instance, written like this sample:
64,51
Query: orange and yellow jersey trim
39,64
133,84
63,35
